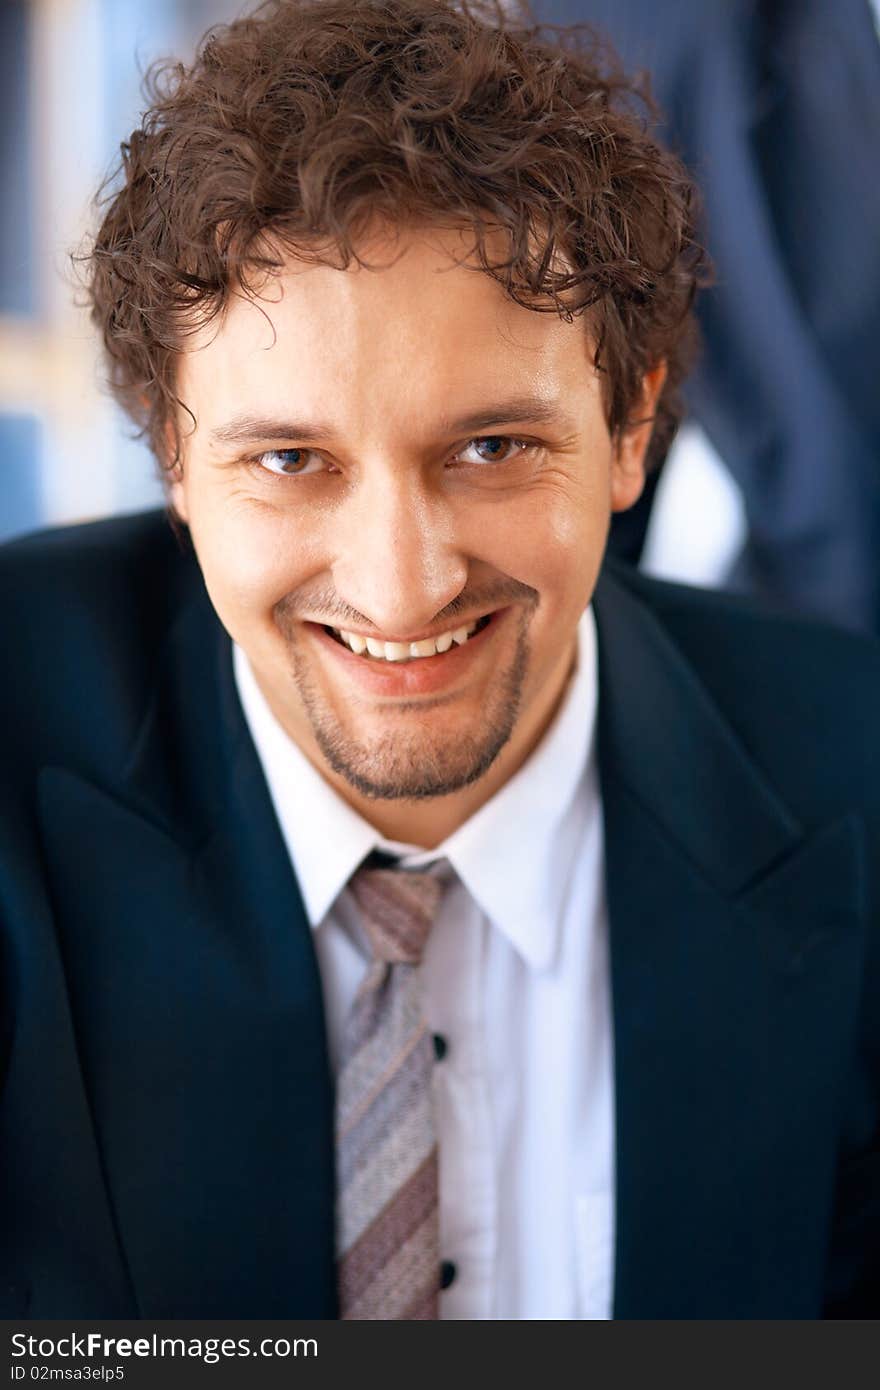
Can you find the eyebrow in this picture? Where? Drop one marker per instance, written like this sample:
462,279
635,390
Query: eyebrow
521,410
249,429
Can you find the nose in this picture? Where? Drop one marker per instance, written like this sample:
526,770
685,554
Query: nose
397,562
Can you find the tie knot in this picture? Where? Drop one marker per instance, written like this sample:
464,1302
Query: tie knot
397,909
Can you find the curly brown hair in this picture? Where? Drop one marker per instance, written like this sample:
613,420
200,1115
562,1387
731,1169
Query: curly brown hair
297,126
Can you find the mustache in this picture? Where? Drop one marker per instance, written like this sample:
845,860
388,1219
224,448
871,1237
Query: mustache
323,604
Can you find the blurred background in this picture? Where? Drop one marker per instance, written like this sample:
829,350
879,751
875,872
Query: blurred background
70,73
772,486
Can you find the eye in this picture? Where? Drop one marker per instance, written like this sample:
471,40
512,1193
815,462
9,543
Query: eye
492,448
288,462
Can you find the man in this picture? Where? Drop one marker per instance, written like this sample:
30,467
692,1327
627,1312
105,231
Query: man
400,922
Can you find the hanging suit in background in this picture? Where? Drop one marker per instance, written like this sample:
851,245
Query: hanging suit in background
775,106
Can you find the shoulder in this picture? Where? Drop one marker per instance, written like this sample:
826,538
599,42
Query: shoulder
84,557
84,614
120,577
800,694
721,630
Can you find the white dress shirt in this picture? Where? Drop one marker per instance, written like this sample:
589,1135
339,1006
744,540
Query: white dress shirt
516,981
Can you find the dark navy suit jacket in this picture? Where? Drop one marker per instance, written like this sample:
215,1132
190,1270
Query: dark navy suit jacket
775,106
166,1143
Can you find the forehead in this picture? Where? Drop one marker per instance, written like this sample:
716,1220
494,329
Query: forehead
419,324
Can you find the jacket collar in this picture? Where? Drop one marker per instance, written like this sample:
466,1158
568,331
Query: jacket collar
666,742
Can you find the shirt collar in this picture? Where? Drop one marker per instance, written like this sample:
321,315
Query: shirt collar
514,855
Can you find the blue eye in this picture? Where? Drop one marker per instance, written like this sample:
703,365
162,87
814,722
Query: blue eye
288,462
493,448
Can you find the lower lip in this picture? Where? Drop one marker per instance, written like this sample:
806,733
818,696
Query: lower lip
425,675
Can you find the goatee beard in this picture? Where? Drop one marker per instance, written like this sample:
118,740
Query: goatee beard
413,767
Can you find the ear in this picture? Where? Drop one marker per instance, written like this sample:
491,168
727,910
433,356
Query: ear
174,478
177,497
628,466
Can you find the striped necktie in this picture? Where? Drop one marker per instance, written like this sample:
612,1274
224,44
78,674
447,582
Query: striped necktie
388,1244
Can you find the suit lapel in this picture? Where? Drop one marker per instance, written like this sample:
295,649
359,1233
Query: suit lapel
735,958
198,1006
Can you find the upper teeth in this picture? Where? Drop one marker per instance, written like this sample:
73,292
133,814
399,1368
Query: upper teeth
404,651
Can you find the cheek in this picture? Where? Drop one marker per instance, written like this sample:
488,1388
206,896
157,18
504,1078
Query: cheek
251,555
555,537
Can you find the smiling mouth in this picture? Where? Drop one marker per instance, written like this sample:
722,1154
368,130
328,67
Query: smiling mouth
374,649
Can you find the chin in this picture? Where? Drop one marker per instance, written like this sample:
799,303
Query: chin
395,768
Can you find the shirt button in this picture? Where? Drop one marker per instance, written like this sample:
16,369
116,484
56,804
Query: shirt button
448,1272
441,1047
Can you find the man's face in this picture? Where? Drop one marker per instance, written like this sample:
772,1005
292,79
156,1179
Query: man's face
399,454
